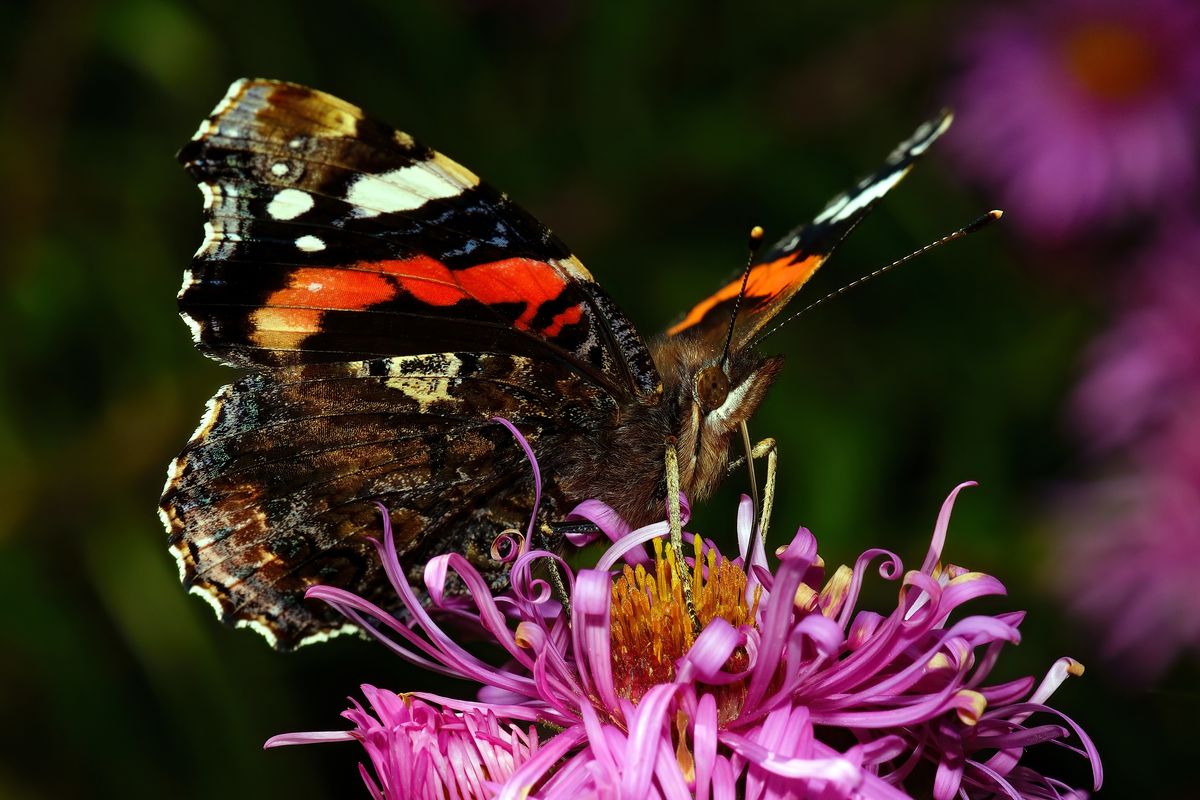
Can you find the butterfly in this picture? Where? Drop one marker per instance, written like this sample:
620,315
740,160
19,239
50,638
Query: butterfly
387,304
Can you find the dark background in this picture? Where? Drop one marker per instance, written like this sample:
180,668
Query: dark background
650,137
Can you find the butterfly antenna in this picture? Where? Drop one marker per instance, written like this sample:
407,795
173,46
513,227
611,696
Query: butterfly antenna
977,225
756,237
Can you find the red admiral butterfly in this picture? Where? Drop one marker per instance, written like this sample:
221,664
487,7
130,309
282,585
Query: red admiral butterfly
388,304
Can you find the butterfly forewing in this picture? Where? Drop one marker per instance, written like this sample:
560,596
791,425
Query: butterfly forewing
780,270
317,213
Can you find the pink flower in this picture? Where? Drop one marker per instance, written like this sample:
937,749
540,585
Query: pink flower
633,701
1080,111
419,751
781,688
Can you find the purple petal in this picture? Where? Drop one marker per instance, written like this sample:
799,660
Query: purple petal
610,523
795,560
632,543
724,780
667,773
709,653
591,629
837,771
704,743
890,569
537,473
307,737
939,530
646,730
523,779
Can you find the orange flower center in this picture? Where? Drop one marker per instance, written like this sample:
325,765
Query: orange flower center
1110,61
651,627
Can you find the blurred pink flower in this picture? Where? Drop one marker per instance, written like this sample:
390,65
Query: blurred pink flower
633,701
1134,540
1080,111
1133,546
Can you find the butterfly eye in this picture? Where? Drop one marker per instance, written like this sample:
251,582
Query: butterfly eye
712,387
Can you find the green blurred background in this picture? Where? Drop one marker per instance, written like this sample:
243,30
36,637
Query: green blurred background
650,136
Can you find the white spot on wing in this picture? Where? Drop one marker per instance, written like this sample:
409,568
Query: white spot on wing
324,636
210,240
176,550
279,168
310,244
206,127
210,597
211,409
926,135
846,205
258,628
289,204
194,327
189,280
401,189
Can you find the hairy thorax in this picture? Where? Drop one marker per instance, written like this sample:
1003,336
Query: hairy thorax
623,465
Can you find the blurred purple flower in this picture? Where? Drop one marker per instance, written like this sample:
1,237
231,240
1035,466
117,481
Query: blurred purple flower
1080,111
1134,541
633,701
1145,371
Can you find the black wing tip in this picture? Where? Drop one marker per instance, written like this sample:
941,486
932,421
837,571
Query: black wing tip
926,134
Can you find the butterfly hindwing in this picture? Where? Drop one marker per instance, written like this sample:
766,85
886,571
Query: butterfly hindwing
780,270
333,237
276,490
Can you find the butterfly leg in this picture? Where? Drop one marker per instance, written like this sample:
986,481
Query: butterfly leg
764,448
675,520
553,534
767,448
772,454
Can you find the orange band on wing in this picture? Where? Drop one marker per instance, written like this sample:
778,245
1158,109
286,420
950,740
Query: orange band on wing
766,281
333,289
294,312
511,280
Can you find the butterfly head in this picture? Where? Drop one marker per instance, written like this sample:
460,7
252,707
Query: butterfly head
713,395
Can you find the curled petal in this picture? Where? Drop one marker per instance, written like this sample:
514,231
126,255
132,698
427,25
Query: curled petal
631,543
610,523
508,545
709,653
435,578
